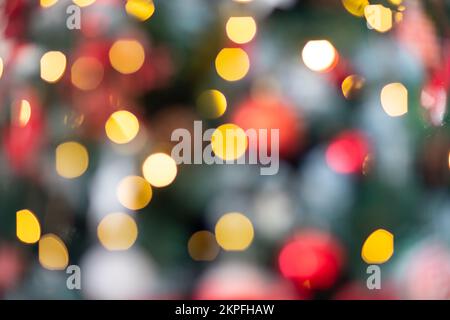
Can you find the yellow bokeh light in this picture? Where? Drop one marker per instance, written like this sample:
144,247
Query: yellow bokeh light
53,65
241,29
229,141
134,192
232,64
83,3
319,55
48,3
117,231
234,232
24,113
398,17
355,7
72,159
202,246
351,85
87,73
211,104
378,17
122,127
1,67
394,99
28,228
126,56
378,247
159,169
140,9
53,254
396,2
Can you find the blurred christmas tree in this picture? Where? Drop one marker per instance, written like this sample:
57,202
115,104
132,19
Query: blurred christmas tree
358,92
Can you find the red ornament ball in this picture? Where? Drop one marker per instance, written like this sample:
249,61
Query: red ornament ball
312,259
270,111
347,152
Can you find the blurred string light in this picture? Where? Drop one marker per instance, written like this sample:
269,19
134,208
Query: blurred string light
355,7
117,231
232,64
87,73
159,169
53,254
313,259
378,248
234,231
378,17
122,127
72,159
28,228
241,29
229,142
126,56
202,246
351,85
47,3
394,99
24,113
134,192
347,152
319,55
1,67
83,3
53,65
211,104
140,9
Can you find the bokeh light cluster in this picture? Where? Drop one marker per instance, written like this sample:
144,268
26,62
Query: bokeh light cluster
355,89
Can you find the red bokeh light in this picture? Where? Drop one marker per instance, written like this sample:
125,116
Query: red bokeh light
22,143
312,259
270,111
347,152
